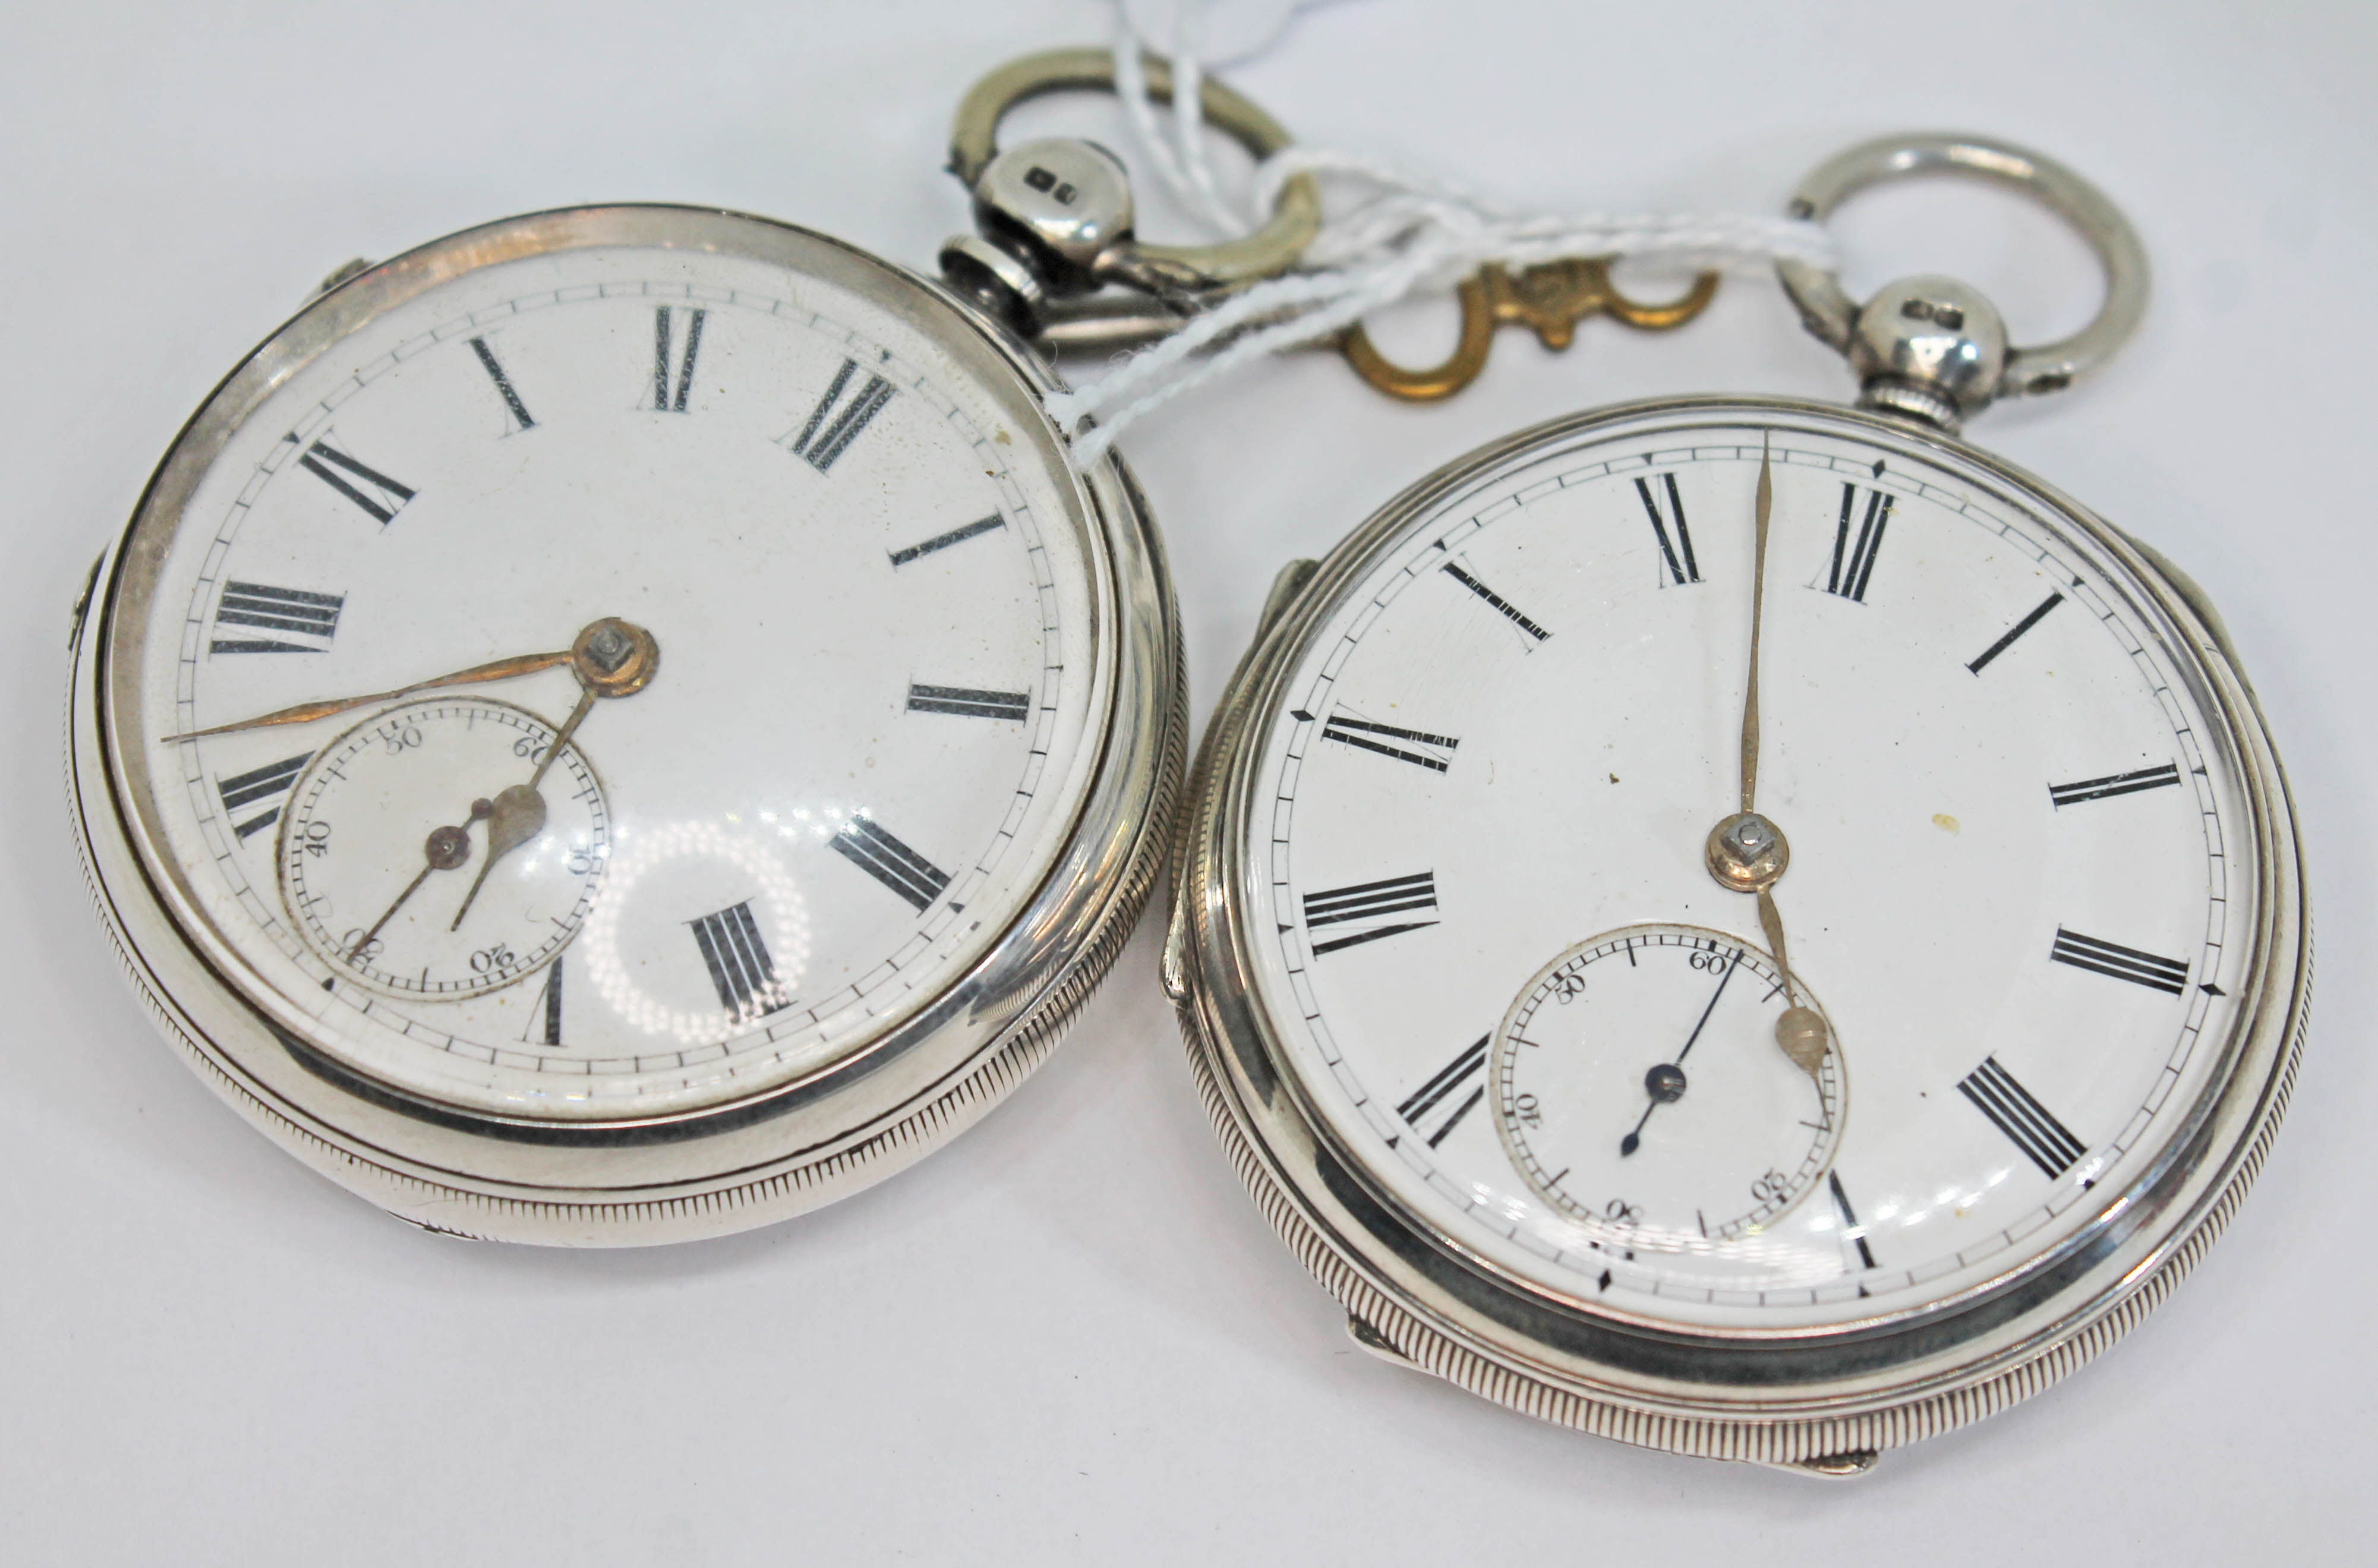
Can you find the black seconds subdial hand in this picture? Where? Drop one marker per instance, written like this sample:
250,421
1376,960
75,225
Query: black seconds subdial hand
1666,1082
444,850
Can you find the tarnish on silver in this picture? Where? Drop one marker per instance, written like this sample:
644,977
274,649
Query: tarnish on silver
354,266
1847,1394
884,1103
1931,348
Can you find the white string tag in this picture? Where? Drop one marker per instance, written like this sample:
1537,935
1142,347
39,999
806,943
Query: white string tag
1387,234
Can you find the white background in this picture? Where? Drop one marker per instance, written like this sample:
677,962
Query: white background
1070,1337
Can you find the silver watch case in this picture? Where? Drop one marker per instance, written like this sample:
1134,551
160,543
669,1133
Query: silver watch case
1825,1403
890,1100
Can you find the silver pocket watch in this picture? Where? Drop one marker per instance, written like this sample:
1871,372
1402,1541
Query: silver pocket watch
1749,927
623,724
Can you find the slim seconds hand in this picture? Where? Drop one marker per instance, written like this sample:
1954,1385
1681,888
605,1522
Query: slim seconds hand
1665,1082
1746,851
445,849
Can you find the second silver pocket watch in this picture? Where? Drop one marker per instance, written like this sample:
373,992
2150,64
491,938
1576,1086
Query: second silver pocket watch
1745,926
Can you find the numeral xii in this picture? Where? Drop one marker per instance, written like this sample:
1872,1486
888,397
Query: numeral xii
1853,563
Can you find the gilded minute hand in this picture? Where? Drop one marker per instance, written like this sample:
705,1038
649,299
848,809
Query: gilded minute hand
1746,851
307,712
1763,507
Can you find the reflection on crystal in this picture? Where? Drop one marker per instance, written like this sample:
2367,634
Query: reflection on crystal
1764,1261
755,948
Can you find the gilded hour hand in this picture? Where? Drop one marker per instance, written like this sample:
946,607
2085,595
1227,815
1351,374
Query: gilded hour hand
307,712
610,656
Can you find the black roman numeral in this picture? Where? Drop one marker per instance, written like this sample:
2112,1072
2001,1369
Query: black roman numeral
944,541
2004,644
1368,901
244,790
828,434
381,496
312,618
1502,606
544,1019
661,331
1853,563
739,962
889,861
968,704
1433,752
1679,557
2113,784
2012,1110
1431,1095
1851,1229
2121,963
503,384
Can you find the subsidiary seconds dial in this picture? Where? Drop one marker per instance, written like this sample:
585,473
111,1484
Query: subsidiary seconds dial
1637,1087
405,811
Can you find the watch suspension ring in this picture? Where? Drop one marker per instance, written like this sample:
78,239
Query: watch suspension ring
1936,348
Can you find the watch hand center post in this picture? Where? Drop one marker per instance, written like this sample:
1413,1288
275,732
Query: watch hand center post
1666,1085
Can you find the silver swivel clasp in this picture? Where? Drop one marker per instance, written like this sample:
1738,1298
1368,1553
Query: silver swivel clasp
1047,212
1054,222
1933,349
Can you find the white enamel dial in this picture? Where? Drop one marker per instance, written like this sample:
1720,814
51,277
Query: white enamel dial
2015,829
878,619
